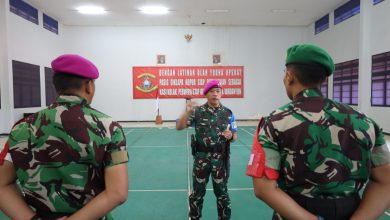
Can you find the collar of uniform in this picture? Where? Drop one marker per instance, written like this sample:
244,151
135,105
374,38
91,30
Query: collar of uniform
71,99
311,92
212,109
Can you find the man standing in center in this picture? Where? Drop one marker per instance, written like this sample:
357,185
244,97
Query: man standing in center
215,128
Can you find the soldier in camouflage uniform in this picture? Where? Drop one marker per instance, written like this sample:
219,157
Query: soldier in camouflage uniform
215,127
70,159
319,153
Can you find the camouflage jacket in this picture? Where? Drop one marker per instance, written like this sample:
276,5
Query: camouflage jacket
60,154
321,148
210,123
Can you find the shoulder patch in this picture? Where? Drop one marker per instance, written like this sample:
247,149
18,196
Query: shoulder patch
119,157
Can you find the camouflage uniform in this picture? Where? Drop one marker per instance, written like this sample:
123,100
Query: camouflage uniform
209,124
322,149
60,154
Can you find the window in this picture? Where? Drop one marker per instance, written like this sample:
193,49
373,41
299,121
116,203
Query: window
324,88
51,93
377,1
346,11
380,80
345,82
24,10
321,24
50,24
27,87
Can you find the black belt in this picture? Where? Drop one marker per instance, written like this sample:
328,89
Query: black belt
53,215
204,149
330,209
56,215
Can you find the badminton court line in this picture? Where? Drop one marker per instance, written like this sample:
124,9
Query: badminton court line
157,190
156,146
184,190
128,132
246,131
173,146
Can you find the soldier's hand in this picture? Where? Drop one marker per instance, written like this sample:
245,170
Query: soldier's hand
227,134
191,105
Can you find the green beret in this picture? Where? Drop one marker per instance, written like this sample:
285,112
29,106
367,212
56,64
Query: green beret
310,54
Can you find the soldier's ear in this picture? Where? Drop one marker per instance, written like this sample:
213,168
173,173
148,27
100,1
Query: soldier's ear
89,86
290,77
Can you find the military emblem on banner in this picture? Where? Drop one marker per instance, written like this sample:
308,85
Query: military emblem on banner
146,83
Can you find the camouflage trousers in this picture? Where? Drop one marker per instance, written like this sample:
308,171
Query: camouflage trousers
204,165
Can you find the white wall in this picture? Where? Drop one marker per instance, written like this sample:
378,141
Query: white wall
360,37
380,31
115,50
341,40
30,43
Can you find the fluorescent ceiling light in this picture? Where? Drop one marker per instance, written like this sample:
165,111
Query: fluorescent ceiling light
154,10
282,10
91,10
217,10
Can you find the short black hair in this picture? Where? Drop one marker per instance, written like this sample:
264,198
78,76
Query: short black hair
65,82
309,75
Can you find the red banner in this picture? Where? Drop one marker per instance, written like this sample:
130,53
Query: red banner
186,81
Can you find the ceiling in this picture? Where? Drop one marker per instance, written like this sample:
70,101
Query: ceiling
191,12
